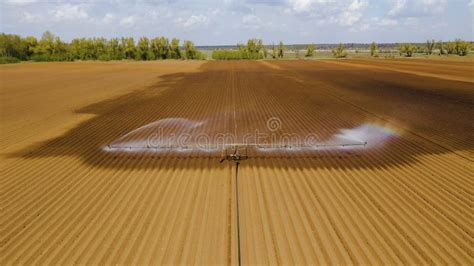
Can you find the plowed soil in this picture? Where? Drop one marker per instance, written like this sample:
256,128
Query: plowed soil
404,198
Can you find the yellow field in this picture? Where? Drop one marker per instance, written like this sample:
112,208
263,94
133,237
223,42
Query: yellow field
406,198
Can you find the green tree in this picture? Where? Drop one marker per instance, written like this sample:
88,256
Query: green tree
100,49
442,48
374,49
339,51
114,49
85,49
50,48
4,45
281,50
243,52
155,47
160,47
46,44
175,52
128,45
253,50
430,45
30,44
407,49
462,48
451,47
251,46
142,50
274,52
310,50
76,49
191,52
12,46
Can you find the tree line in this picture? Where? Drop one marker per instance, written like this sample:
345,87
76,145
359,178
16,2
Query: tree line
457,47
51,48
254,49
14,48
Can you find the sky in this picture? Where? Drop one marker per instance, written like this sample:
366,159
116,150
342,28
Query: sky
228,22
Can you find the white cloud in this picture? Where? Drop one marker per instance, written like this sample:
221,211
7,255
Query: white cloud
306,5
128,21
379,23
300,5
21,2
193,21
411,22
353,13
388,22
343,12
252,22
217,11
70,12
109,18
358,5
397,7
153,14
376,23
414,8
30,18
251,19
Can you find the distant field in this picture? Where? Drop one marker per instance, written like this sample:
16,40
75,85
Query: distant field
405,198
360,53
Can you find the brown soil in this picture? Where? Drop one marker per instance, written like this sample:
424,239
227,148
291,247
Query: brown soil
406,199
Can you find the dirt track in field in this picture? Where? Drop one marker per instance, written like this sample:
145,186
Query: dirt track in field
405,198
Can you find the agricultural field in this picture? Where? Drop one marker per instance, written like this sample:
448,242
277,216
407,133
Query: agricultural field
80,183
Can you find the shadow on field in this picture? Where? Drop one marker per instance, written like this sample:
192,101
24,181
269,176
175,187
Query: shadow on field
437,108
255,92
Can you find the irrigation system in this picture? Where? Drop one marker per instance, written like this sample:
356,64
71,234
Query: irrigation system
233,153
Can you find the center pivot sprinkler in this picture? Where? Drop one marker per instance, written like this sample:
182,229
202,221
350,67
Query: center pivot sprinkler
236,154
